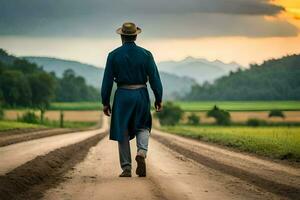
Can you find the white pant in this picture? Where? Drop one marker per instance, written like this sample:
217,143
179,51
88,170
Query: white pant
142,140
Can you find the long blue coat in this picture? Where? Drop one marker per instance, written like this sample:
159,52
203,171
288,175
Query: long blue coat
130,64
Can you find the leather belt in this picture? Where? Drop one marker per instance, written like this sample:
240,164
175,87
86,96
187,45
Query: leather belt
132,86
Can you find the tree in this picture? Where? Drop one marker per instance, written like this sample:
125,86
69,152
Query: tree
15,88
74,88
222,117
170,115
25,66
42,86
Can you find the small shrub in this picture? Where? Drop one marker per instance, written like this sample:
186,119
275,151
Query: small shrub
222,117
276,113
29,117
193,119
170,115
256,122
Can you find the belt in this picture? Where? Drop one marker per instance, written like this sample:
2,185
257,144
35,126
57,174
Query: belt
132,86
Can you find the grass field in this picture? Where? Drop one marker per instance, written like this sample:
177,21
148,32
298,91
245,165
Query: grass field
196,106
274,142
7,125
240,105
75,106
70,124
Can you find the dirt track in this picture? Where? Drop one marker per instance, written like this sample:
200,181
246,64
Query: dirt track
178,168
170,176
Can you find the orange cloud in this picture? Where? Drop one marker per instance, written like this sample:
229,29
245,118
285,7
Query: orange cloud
292,11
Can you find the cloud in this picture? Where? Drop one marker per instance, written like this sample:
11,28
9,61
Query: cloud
62,8
161,18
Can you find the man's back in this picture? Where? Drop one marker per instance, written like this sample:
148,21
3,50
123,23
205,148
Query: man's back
130,64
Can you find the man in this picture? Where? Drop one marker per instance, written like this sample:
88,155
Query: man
131,66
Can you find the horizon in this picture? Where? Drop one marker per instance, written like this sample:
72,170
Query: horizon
180,60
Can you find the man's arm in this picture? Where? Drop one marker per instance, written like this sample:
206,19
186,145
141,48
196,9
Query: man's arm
107,84
155,82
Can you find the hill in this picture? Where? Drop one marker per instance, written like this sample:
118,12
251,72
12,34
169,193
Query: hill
89,72
174,86
275,79
199,69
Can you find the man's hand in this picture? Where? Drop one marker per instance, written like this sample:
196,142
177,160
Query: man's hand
158,106
107,110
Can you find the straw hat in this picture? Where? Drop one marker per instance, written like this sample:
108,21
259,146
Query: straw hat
129,28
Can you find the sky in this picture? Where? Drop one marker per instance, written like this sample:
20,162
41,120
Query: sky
244,31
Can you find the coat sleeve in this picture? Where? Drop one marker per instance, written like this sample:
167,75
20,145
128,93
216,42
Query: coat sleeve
154,79
107,81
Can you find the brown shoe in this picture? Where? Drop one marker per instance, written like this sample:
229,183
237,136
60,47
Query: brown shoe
141,166
125,173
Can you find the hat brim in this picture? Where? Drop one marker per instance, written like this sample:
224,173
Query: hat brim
138,31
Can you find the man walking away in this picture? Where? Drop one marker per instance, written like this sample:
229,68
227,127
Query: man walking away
131,66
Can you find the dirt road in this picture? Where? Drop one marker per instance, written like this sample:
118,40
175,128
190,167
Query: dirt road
170,176
178,168
15,155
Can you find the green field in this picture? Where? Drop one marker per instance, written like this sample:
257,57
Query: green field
196,106
240,105
76,106
274,142
7,125
69,124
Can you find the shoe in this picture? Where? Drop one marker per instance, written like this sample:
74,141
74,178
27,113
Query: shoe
125,173
141,166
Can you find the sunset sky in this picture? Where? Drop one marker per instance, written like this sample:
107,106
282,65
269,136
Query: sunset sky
244,31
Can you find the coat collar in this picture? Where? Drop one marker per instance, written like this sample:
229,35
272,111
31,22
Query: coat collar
128,44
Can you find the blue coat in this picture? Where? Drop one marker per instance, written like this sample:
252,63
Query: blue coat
130,64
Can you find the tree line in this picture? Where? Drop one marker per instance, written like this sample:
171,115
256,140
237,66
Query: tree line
25,84
275,79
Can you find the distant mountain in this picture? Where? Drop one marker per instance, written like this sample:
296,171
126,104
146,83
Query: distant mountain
275,79
199,69
89,72
174,86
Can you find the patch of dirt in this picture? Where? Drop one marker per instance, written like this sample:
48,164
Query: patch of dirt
31,179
